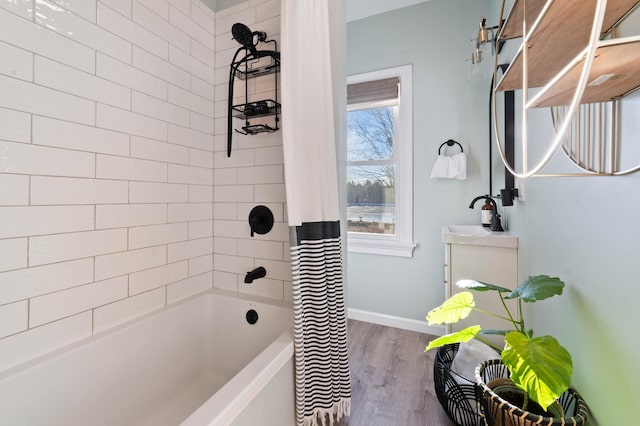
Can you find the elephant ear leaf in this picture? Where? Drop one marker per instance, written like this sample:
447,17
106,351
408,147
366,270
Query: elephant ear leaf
480,286
458,337
454,309
535,288
540,366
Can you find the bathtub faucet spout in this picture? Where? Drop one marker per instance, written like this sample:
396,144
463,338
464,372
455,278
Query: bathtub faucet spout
259,272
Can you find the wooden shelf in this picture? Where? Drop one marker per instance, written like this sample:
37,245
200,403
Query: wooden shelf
512,28
614,73
563,34
513,24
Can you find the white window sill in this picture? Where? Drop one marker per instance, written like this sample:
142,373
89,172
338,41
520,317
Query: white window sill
380,246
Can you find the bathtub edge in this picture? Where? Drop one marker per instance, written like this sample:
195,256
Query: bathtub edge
238,392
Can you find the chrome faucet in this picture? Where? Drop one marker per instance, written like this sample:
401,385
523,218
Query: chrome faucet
496,225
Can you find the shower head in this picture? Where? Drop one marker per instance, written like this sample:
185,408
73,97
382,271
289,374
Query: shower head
243,35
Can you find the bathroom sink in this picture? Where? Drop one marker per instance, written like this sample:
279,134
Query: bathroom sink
477,235
467,230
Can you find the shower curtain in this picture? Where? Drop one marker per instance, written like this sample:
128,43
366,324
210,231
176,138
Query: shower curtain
323,388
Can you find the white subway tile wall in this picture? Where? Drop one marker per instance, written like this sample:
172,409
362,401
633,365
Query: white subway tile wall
254,175
106,165
116,195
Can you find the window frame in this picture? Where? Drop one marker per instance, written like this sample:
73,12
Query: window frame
401,244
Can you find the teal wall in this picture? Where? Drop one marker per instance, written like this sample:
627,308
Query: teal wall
434,37
584,230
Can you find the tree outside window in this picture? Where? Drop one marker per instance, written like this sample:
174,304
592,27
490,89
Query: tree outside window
371,169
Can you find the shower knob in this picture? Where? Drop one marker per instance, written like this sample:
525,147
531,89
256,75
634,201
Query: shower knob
260,220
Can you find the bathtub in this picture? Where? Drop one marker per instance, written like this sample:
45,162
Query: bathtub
198,362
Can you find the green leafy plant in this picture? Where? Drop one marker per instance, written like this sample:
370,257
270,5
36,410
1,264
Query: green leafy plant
539,365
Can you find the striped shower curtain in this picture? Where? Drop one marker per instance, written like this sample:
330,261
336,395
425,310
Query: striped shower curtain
323,388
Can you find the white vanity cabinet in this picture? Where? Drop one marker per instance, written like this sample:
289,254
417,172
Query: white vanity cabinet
472,252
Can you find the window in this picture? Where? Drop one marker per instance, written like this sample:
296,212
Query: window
379,162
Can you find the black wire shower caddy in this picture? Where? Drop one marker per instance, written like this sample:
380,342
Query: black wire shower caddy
254,63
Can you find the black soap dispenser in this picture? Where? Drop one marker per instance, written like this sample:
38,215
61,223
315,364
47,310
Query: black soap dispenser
487,213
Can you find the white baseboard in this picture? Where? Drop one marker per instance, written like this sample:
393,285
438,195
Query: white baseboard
397,322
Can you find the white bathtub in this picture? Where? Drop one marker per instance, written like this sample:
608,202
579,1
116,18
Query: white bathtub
194,363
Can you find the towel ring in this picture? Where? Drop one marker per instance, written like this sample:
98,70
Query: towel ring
450,142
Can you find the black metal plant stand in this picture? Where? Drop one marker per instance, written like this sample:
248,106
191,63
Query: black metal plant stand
456,394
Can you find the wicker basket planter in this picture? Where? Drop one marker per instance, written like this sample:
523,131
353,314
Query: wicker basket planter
499,412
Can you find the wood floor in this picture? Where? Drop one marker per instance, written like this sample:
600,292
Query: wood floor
391,378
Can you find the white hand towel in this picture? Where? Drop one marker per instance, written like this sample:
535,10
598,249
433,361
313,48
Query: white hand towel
458,168
450,167
441,167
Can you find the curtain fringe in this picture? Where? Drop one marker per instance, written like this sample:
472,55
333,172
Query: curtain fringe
340,409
